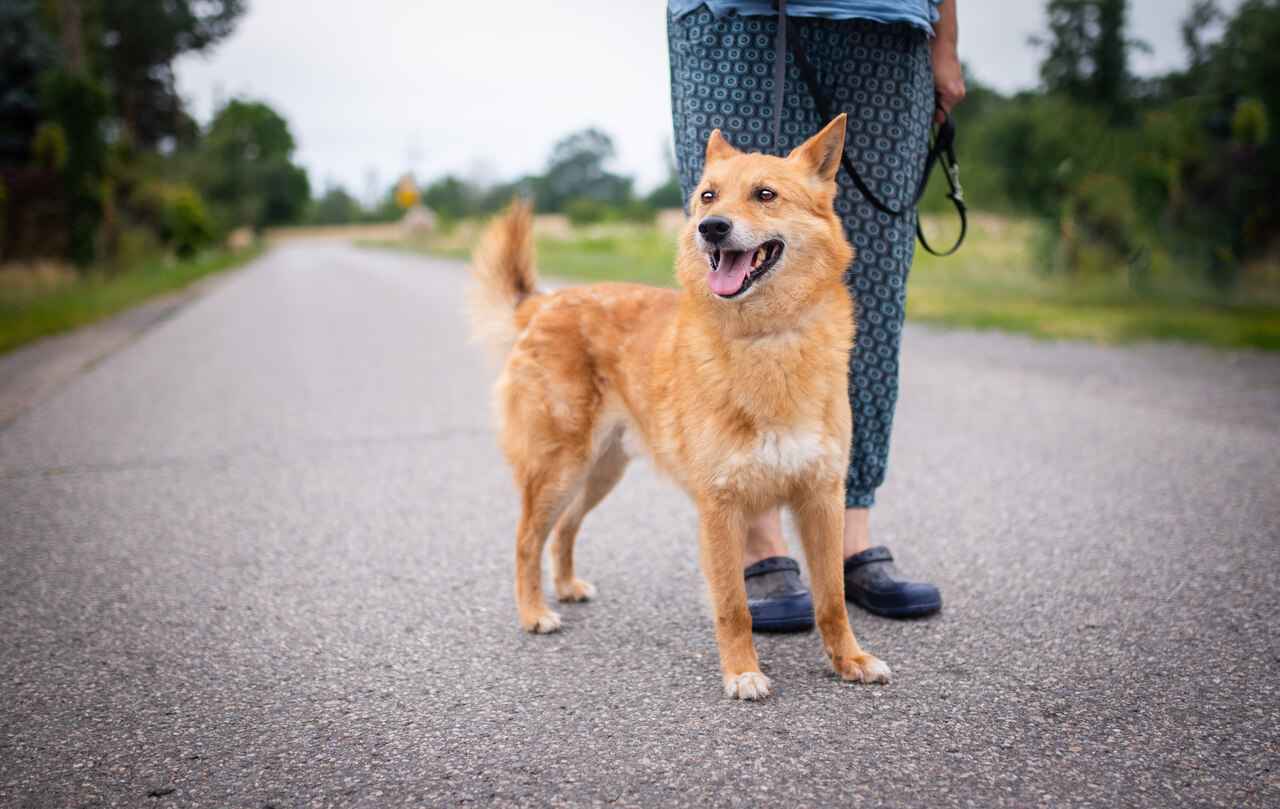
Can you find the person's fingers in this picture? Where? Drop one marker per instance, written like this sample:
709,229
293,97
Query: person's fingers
942,107
948,97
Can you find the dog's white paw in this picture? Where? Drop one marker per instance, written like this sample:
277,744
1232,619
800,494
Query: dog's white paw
876,671
576,590
865,668
748,685
544,624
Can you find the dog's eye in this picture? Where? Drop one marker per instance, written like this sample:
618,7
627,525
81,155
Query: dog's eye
707,196
766,194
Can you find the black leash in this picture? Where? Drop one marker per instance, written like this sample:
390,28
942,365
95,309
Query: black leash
941,146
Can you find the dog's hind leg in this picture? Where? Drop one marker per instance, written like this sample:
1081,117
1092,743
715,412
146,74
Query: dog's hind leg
544,495
819,514
604,475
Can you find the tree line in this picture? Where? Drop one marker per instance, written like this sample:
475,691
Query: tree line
1174,174
101,163
1171,176
575,181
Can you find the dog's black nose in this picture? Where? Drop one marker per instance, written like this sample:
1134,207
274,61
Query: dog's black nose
715,228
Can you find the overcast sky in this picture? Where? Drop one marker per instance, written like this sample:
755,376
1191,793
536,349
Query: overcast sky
375,88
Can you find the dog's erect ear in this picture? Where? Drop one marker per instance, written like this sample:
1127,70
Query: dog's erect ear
822,152
718,148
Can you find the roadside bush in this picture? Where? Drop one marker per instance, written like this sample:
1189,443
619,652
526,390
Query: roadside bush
1100,224
1047,145
666,195
1249,124
134,246
334,207
585,211
638,211
187,226
176,213
49,146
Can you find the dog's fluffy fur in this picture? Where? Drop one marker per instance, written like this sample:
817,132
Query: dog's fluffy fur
740,398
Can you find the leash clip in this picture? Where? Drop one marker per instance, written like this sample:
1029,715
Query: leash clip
952,168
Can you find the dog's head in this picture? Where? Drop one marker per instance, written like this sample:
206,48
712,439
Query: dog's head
763,236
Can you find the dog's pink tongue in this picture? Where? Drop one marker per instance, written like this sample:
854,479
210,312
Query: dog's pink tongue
729,276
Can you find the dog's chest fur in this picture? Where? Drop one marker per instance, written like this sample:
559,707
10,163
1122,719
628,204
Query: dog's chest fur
779,455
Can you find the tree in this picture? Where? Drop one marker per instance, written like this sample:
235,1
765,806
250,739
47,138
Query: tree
140,40
1203,14
1109,83
1243,73
247,170
78,106
576,170
26,52
335,207
1068,44
667,195
450,197
1246,61
1087,53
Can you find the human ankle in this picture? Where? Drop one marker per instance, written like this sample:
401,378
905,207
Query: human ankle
764,538
857,530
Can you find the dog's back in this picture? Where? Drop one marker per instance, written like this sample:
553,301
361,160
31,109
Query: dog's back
506,299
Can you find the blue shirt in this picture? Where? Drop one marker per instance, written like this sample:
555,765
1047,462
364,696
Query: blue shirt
920,13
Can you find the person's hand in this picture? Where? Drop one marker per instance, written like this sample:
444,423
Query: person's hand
948,77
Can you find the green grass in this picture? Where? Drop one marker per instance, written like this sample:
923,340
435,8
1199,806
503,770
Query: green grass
622,253
36,304
991,283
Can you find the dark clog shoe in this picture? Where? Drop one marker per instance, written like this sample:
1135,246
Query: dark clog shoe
872,582
777,596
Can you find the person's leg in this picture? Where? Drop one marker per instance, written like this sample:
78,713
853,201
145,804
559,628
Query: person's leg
880,75
857,530
721,78
886,87
764,538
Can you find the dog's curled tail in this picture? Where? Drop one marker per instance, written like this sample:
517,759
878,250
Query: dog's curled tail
504,276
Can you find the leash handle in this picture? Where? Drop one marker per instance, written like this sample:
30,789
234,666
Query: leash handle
943,149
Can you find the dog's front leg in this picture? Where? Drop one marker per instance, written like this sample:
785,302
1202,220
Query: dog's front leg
723,532
819,513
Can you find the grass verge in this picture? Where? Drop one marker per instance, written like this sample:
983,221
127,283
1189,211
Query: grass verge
37,303
991,283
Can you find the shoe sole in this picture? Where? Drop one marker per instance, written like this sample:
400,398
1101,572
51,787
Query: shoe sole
912,611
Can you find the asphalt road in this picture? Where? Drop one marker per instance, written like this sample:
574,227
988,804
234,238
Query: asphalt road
261,557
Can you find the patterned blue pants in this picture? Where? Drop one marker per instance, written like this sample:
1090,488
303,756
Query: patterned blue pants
722,78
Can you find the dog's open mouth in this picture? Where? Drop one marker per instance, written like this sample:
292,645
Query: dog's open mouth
734,271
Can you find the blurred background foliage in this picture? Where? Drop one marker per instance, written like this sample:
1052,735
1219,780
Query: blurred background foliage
99,161
1160,186
1144,177
1158,183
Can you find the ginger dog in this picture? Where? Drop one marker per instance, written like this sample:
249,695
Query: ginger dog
735,386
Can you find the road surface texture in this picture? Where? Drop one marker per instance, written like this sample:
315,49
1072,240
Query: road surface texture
262,557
